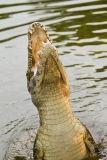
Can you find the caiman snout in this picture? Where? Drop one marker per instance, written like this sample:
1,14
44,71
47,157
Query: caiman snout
36,35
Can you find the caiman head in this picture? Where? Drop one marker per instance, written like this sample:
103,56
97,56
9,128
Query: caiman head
43,56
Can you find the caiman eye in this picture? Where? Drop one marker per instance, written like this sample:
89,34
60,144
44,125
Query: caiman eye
38,73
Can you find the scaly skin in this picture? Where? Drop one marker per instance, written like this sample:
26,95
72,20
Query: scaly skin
61,136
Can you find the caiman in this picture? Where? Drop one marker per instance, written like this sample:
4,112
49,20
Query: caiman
61,136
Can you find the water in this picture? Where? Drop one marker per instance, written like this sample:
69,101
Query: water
79,31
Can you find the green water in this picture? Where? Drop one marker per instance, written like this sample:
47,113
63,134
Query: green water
78,29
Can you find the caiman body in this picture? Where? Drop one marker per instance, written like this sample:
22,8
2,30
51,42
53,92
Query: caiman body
61,136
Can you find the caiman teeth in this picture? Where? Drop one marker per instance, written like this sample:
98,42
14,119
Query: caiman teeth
33,25
31,29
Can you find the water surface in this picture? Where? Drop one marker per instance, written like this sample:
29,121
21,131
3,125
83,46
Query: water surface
79,31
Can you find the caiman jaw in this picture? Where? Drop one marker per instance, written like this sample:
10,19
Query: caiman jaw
36,35
40,48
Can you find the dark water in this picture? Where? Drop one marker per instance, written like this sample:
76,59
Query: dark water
79,31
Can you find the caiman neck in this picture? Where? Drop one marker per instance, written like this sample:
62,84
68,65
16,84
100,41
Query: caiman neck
54,106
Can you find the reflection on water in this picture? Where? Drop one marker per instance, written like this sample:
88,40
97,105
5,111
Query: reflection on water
79,31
